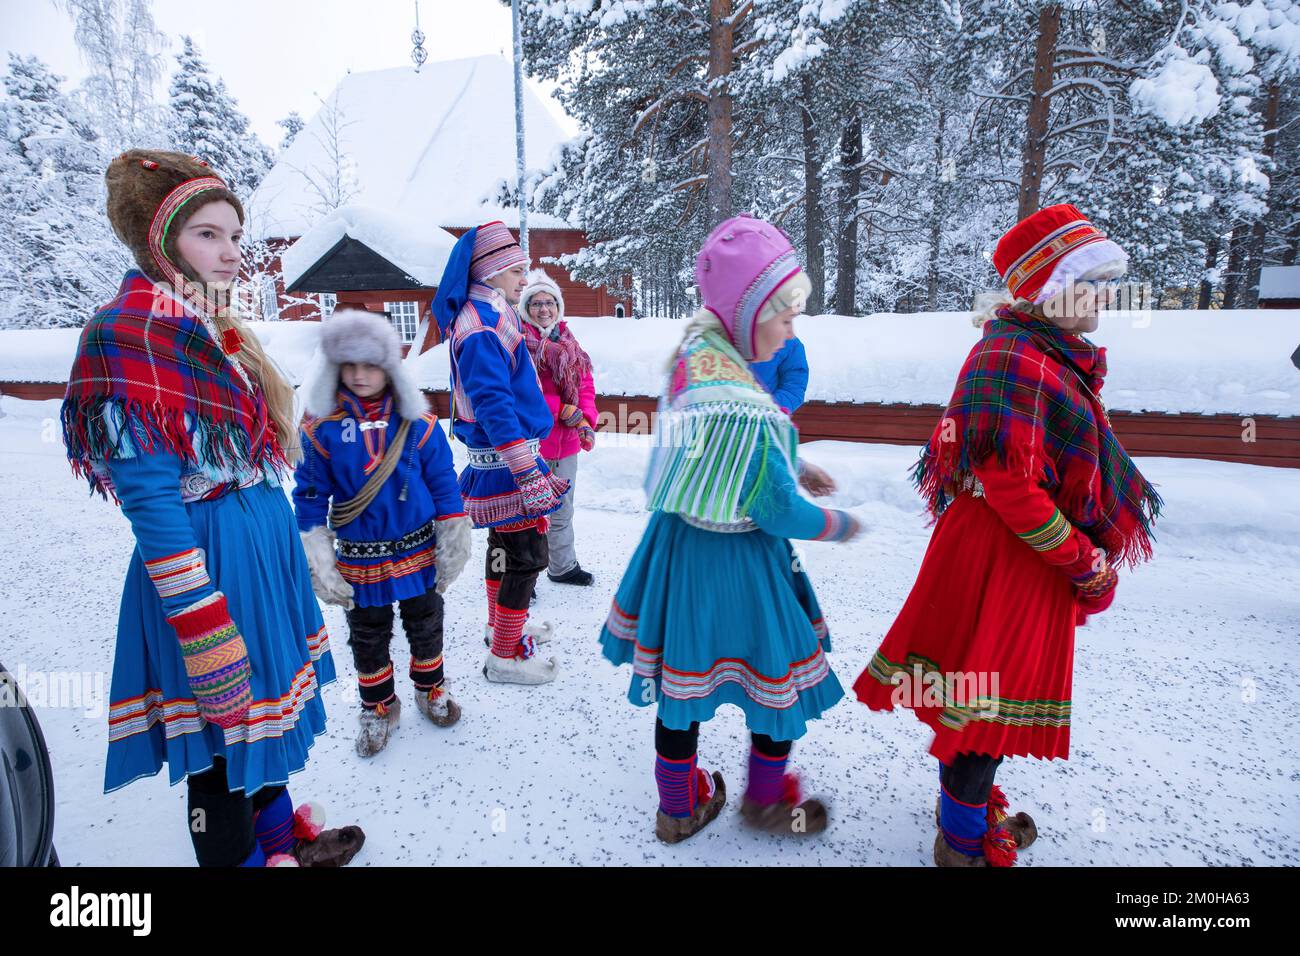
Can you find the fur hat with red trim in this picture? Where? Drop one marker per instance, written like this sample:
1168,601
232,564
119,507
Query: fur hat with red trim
1043,253
139,181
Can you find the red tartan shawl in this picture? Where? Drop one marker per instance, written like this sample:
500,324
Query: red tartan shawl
1028,393
149,356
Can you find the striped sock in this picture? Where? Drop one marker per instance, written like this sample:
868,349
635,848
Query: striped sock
274,826
426,674
963,824
377,688
507,631
493,587
766,778
678,785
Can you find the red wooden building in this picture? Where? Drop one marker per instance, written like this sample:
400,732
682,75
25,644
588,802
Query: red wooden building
360,208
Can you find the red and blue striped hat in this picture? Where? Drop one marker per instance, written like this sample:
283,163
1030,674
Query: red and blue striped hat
1039,255
495,251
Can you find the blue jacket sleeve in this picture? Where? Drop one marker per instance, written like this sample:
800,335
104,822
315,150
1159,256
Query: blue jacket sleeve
313,485
148,485
792,377
771,498
485,376
439,473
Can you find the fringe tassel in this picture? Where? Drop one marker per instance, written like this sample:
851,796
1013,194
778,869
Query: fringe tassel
997,807
943,465
702,453
136,426
999,847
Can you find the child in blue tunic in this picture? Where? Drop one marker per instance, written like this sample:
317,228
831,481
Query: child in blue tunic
378,467
174,409
715,607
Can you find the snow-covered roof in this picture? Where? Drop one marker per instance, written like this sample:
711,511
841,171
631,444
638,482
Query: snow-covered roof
418,249
431,145
1279,282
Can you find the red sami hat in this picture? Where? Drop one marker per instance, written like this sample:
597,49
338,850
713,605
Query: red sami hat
1031,249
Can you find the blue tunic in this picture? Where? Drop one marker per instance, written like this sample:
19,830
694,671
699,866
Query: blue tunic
340,452
497,401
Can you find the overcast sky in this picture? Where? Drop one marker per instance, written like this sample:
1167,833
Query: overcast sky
280,55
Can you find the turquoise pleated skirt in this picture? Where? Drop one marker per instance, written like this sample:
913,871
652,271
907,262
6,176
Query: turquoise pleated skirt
709,618
254,556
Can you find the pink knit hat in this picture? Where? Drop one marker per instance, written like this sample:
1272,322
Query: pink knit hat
495,251
740,267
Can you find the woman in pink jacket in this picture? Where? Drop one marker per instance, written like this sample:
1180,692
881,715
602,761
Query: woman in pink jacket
565,373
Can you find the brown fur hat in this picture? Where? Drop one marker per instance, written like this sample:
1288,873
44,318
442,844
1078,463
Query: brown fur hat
138,182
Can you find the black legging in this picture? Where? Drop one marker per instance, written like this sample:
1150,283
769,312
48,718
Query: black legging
222,833
969,778
682,744
515,558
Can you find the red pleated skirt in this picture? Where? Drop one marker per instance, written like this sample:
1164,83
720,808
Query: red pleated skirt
983,649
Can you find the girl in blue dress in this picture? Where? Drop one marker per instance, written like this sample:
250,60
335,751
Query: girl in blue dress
715,607
174,410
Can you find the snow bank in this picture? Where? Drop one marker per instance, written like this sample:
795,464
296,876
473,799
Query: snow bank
45,355
1234,362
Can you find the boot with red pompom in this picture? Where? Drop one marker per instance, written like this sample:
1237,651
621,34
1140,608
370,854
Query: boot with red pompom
316,846
1019,825
710,796
789,814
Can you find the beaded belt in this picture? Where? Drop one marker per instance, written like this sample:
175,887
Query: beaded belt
488,458
386,549
197,486
971,484
725,527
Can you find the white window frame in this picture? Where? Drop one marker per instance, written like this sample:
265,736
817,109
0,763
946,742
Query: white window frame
405,317
328,303
270,300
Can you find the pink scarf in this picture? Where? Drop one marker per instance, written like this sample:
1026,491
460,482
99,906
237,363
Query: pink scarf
557,353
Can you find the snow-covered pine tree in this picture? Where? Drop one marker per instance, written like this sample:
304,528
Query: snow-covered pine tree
1270,31
661,163
122,48
57,264
894,106
292,125
206,122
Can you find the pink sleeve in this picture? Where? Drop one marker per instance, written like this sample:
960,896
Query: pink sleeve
587,399
553,403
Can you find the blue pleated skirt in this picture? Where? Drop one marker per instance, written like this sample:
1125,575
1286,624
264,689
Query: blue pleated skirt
254,556
709,618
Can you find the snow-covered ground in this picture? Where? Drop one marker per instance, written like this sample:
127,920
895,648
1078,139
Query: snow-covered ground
1183,738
